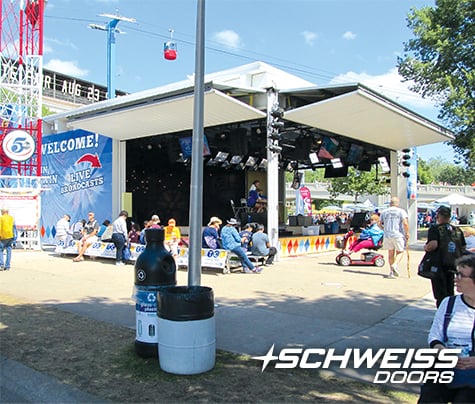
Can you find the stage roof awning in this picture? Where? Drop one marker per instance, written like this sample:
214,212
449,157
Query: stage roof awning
130,117
368,117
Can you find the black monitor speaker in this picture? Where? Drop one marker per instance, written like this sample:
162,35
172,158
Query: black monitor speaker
332,172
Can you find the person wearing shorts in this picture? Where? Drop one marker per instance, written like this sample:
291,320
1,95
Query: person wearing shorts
91,228
394,221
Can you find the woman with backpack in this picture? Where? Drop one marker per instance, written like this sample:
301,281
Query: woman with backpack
454,327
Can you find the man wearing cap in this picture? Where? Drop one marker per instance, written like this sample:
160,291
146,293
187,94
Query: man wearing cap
7,237
232,242
394,221
450,241
210,236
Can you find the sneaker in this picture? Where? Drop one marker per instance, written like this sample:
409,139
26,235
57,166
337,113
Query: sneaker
257,270
6,269
395,272
247,271
119,263
391,275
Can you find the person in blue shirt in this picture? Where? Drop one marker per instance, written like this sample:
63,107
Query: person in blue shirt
210,236
261,245
246,236
232,242
369,237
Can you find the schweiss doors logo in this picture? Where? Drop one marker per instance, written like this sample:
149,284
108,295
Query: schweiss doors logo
393,365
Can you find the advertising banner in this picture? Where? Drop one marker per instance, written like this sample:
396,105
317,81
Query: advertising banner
76,178
303,201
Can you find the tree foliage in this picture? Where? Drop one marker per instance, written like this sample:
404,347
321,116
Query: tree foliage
440,59
440,171
358,183
424,173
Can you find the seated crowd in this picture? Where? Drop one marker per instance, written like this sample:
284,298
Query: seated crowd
251,239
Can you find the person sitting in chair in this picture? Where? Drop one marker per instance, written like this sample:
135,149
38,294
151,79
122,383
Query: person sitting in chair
369,237
261,246
257,200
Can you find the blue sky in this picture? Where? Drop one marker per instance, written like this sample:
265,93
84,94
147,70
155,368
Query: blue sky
322,41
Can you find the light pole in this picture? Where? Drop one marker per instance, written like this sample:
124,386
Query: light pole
111,28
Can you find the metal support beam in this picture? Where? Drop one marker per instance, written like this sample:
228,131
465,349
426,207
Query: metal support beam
272,174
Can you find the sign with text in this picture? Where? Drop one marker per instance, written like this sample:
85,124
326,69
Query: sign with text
77,176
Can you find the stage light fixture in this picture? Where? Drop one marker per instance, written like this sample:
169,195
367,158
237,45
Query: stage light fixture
383,162
221,157
336,163
236,159
313,158
263,164
251,161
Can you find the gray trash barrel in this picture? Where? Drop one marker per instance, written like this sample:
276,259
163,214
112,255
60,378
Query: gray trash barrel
187,337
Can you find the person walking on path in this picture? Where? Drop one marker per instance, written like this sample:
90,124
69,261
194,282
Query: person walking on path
394,221
232,242
450,242
119,236
7,237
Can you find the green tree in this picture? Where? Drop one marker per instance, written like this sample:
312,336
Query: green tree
424,172
443,171
440,59
358,183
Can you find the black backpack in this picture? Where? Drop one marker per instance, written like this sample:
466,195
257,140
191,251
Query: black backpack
451,244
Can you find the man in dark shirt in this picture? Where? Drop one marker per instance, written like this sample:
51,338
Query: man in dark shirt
210,237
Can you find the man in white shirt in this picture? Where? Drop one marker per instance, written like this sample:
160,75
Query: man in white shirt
119,236
63,229
394,221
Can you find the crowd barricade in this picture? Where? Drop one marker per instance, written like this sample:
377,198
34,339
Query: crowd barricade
99,249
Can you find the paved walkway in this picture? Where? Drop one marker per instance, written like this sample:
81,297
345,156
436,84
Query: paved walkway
301,301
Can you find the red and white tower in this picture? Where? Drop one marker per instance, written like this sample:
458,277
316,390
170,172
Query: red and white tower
21,76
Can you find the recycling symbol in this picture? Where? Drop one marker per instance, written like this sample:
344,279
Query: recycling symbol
141,275
151,298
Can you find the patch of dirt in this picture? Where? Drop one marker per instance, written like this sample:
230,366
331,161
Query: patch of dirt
99,358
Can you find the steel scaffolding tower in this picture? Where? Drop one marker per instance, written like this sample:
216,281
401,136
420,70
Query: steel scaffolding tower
21,50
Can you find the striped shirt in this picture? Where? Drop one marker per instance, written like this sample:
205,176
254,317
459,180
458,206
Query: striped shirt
461,328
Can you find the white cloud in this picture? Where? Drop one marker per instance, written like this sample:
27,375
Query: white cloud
228,38
349,35
66,67
390,84
309,37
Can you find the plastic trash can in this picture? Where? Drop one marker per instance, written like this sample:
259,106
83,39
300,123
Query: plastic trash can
187,336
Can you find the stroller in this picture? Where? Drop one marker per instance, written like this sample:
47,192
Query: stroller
370,258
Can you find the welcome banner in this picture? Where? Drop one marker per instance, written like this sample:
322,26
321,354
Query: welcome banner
77,175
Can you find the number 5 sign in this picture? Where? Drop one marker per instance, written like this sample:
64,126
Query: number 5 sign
18,145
